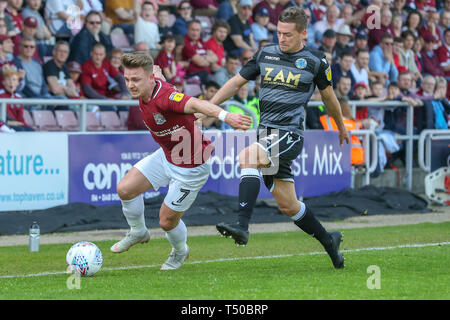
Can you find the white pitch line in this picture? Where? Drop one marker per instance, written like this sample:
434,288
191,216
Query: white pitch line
239,258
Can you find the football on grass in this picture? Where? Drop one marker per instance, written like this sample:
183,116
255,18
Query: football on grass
84,258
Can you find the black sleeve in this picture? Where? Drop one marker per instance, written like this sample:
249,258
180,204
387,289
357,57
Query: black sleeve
251,69
50,70
323,77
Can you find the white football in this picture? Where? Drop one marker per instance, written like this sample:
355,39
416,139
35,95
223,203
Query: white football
84,258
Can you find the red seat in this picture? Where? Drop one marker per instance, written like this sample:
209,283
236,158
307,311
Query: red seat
120,40
92,122
29,119
123,115
45,120
67,120
111,121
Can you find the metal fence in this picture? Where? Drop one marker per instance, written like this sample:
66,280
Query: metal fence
368,140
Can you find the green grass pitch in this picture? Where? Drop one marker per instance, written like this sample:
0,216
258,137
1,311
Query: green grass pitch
412,262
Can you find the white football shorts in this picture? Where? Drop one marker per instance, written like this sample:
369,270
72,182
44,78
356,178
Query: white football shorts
184,183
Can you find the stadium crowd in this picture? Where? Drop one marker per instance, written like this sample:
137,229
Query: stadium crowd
380,50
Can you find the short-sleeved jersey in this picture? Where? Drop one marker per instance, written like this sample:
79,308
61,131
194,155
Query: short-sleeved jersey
287,83
175,131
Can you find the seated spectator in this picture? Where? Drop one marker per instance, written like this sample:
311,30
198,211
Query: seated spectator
211,89
74,69
274,9
440,104
142,46
343,38
342,68
376,34
360,68
200,60
14,116
90,34
226,72
184,15
318,11
115,57
252,103
406,56
163,22
377,94
100,80
42,33
56,73
360,92
35,85
57,17
331,21
413,22
13,17
427,86
97,5
259,27
227,9
29,30
444,22
329,43
313,36
444,58
3,26
430,28
360,42
166,57
219,33
343,87
382,59
241,37
146,30
397,24
123,16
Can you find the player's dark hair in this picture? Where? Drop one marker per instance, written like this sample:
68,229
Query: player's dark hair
294,15
138,59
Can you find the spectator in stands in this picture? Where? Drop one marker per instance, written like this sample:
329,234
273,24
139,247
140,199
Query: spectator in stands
13,17
227,9
397,25
3,26
241,37
427,86
142,46
444,22
342,68
115,57
146,30
430,58
56,73
100,80
318,11
6,51
166,57
242,96
90,34
178,83
429,28
219,33
274,9
360,68
343,38
42,32
259,27
329,43
74,69
360,42
200,60
313,36
375,34
343,87
163,22
228,71
406,56
14,117
57,15
382,59
210,90
35,85
440,92
331,21
97,5
29,30
400,9
444,58
184,11
123,16
413,22
205,7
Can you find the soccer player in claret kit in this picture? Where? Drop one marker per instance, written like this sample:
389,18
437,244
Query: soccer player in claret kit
289,72
181,162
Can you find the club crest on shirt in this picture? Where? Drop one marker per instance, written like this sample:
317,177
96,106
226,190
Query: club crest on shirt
301,63
159,119
176,96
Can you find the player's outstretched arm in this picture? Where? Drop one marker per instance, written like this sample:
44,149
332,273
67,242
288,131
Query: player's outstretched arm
334,110
235,120
229,89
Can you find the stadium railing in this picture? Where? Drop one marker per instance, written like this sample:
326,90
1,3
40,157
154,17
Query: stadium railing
424,146
84,103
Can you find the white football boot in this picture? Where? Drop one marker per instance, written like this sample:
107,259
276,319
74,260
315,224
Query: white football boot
130,240
175,260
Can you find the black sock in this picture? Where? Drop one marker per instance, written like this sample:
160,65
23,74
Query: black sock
309,224
248,193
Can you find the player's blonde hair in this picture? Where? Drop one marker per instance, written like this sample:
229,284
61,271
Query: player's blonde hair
138,59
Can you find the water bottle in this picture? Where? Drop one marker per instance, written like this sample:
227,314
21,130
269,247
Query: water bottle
34,237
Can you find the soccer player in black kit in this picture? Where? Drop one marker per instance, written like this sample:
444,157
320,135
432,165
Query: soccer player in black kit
289,73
